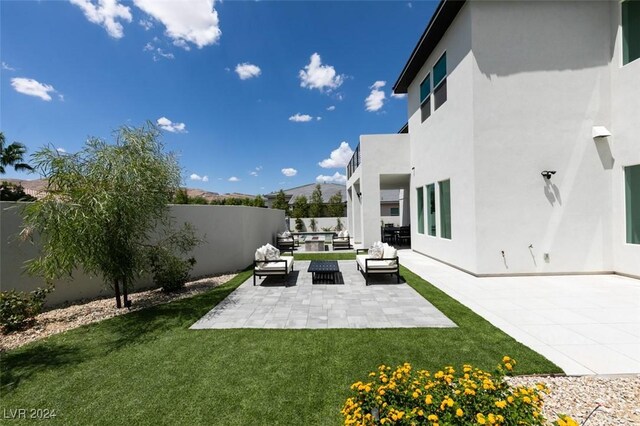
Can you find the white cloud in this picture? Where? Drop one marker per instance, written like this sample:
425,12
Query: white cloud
375,100
195,176
233,179
148,47
196,22
398,95
7,67
318,118
170,126
247,70
106,13
31,87
336,178
253,173
331,108
339,157
159,53
147,24
61,150
409,5
318,76
258,168
288,172
300,118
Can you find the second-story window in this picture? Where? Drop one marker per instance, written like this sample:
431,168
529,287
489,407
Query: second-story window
630,31
425,97
440,82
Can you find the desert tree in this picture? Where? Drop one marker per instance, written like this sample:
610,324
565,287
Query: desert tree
105,207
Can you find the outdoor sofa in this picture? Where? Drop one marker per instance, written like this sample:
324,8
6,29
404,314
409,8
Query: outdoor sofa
342,240
380,259
267,261
285,242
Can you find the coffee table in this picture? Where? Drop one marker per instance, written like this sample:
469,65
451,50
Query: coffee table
323,271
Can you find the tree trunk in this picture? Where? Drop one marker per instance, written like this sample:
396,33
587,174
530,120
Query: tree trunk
116,287
125,294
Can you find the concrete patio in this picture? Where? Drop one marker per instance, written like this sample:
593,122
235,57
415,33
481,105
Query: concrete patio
586,324
301,304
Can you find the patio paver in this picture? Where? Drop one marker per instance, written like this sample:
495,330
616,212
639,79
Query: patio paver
585,324
302,304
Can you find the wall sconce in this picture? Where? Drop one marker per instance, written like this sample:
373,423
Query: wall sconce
600,132
548,173
359,194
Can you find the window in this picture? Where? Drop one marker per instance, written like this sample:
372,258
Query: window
395,211
431,209
632,203
445,208
440,82
630,31
425,97
420,204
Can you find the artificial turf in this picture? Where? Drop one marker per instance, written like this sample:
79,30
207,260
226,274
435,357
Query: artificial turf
147,367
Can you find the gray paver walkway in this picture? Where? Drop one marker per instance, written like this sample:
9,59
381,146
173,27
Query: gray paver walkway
302,304
586,324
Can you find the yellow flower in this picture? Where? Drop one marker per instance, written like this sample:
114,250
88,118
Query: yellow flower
508,366
432,418
459,412
480,418
510,399
501,404
468,391
420,413
491,418
381,392
428,399
415,394
506,359
527,400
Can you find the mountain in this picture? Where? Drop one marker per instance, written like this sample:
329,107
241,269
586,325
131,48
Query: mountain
35,187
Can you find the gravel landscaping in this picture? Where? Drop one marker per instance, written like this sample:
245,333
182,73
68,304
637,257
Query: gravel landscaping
617,398
66,318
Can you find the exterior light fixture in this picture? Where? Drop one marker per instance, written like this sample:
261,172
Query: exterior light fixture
600,132
359,194
548,173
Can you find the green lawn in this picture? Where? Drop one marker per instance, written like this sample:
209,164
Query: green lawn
148,368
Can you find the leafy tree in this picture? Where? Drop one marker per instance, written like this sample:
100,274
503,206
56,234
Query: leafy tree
299,225
181,196
102,207
12,155
300,207
281,202
198,199
258,201
316,206
313,224
336,206
339,225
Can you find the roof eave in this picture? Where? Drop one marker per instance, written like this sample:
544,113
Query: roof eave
442,18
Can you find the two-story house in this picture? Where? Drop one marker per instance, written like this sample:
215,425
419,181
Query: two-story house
522,150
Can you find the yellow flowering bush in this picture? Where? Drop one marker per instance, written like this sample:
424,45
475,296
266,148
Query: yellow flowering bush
468,396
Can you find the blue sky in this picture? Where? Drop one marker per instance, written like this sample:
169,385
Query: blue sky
247,92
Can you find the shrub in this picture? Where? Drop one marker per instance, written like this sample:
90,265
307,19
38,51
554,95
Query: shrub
471,396
338,224
299,225
170,272
18,309
313,224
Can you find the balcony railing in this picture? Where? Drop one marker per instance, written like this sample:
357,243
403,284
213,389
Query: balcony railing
354,163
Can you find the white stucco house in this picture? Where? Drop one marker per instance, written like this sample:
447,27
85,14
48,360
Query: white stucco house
522,149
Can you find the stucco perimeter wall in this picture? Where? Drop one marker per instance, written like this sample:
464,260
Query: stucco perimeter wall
623,145
442,148
541,81
232,234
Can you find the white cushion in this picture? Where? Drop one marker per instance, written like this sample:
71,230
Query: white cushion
261,253
374,265
272,253
276,268
286,234
341,234
345,233
376,251
390,253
